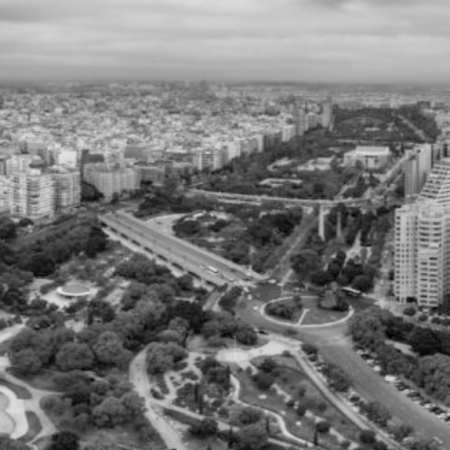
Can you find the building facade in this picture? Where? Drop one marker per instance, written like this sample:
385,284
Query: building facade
422,243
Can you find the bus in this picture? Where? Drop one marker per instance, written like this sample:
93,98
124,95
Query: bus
352,292
212,269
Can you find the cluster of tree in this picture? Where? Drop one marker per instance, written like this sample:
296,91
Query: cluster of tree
163,356
265,232
216,373
44,255
244,174
103,402
384,124
357,190
147,273
8,229
423,122
376,413
284,309
169,199
228,301
429,370
225,325
333,299
336,377
33,350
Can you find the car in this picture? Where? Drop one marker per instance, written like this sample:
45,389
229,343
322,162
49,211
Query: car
261,331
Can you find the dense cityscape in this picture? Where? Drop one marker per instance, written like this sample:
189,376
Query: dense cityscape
224,225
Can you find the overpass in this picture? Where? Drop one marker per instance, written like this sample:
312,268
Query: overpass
260,199
176,253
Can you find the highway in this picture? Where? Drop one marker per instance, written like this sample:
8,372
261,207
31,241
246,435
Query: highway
191,258
259,199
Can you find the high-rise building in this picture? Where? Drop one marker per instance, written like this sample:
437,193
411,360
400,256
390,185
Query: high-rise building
33,194
420,160
67,188
300,121
422,243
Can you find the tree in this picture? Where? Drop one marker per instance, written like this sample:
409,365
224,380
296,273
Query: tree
323,427
206,428
424,341
367,437
263,380
252,437
109,350
74,356
64,440
162,357
362,283
7,443
7,228
305,263
377,413
40,264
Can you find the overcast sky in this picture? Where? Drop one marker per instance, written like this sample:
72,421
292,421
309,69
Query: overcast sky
298,40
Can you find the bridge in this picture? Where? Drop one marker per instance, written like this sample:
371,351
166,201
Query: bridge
292,202
176,253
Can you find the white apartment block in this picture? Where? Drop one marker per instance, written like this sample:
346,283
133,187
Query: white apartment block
422,243
33,195
111,179
203,159
418,165
67,189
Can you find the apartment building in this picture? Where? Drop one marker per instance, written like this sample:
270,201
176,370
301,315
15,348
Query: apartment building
422,243
33,194
110,179
418,165
67,188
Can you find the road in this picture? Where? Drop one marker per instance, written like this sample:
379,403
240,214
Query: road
139,379
284,266
259,199
189,257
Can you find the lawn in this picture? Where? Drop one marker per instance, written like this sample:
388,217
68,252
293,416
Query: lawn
34,427
20,392
318,316
44,380
290,379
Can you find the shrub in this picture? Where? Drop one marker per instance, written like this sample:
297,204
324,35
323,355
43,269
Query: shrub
367,437
263,381
301,410
323,427
436,320
410,311
422,318
345,444
309,349
290,403
301,391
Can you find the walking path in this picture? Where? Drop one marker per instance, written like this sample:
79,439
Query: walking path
32,404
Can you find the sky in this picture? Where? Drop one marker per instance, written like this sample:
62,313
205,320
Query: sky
363,41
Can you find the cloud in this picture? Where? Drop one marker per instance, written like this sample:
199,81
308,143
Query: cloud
317,40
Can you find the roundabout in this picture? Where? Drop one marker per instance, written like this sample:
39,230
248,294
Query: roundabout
74,290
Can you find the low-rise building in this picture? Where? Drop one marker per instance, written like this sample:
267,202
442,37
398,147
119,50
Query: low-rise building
371,157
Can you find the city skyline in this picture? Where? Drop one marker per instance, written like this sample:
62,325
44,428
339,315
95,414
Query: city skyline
362,41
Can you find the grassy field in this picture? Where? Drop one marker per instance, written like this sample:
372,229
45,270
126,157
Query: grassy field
34,425
316,315
20,392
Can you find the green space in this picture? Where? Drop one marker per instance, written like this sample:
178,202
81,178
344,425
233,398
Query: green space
20,392
293,383
247,235
317,315
34,427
